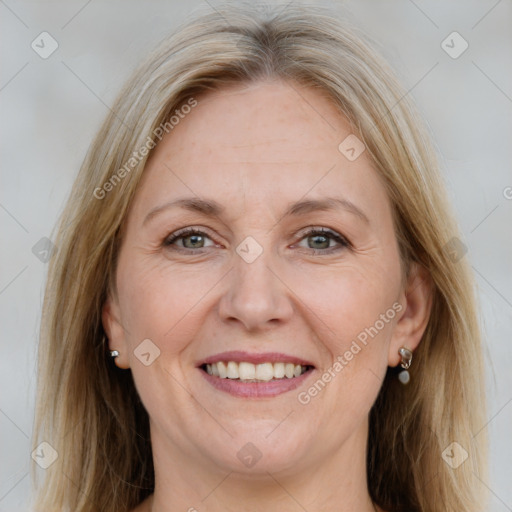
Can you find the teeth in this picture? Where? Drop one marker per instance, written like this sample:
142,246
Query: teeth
265,371
221,367
278,370
246,371
232,370
255,372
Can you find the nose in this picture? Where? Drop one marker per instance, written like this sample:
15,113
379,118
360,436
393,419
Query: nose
256,295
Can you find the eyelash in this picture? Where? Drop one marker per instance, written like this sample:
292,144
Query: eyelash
331,235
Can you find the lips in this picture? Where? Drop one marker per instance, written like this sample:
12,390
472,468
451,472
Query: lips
243,374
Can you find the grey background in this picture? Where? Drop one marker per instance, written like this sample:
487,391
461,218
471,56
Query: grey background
52,107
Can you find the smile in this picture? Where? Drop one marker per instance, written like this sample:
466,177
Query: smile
249,372
247,375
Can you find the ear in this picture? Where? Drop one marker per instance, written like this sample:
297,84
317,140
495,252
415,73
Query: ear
110,315
416,299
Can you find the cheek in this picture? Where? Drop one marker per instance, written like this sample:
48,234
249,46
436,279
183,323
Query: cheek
361,313
356,327
354,320
161,302
347,303
165,305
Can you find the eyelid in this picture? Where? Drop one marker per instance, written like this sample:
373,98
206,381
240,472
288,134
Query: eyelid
343,241
183,232
322,229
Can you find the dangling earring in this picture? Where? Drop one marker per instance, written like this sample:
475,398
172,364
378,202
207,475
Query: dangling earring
406,356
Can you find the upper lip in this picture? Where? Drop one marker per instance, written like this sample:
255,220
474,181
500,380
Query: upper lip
239,356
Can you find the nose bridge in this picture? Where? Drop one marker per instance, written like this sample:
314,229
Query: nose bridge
255,294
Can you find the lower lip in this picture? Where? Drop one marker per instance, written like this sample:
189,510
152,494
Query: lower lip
255,389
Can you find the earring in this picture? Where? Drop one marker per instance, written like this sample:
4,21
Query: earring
406,356
113,353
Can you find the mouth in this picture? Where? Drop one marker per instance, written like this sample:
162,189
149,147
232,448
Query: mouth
248,372
255,375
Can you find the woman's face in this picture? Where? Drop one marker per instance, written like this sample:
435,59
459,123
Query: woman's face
251,170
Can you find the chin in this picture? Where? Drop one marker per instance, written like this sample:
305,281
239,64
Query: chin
261,451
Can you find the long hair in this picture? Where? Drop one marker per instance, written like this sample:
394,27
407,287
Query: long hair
89,411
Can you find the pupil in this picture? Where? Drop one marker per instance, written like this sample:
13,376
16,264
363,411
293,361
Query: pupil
194,239
324,240
321,240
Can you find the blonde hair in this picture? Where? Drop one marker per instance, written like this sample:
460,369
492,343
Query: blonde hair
89,410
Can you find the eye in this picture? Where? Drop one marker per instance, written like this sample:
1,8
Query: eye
192,240
320,239
188,239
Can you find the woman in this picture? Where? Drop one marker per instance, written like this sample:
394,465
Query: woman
255,303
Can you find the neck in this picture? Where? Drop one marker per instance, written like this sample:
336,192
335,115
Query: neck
337,483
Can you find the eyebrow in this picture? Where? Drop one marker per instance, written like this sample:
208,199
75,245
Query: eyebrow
211,208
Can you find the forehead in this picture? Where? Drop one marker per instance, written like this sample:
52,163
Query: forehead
269,141
260,119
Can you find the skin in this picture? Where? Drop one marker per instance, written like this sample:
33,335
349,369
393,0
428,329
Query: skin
254,149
